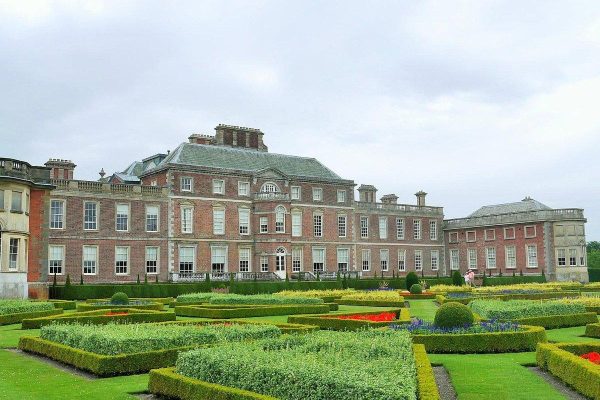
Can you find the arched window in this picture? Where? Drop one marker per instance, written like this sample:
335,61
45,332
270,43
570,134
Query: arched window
269,187
280,259
280,219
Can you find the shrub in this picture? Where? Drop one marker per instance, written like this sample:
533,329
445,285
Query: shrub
516,309
262,299
8,306
119,298
457,279
339,360
383,295
246,311
411,279
592,330
194,297
416,289
449,289
453,314
113,339
100,317
333,293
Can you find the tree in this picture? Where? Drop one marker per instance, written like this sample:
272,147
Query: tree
138,279
145,279
457,279
593,246
411,279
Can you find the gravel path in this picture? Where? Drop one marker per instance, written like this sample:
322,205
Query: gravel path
558,384
442,379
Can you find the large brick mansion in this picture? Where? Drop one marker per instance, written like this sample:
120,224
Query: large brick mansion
223,204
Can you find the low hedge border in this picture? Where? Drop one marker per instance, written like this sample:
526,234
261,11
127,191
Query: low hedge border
92,306
333,306
284,327
165,382
593,309
249,311
98,317
422,296
98,364
64,304
331,322
162,300
559,321
7,319
493,342
592,330
370,303
562,360
427,388
441,299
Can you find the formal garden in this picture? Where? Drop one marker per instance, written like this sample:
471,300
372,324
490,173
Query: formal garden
375,339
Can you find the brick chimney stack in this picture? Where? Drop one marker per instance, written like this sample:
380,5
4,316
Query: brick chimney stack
367,193
421,198
239,137
389,199
60,169
198,138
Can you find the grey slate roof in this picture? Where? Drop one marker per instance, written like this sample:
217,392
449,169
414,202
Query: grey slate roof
527,204
220,157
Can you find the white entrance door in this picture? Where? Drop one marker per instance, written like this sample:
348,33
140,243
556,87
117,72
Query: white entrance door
280,269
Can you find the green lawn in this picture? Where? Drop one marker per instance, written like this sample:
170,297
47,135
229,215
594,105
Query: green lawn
423,309
574,334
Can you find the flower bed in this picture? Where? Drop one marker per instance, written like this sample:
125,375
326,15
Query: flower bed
352,321
339,360
593,357
263,299
117,349
246,310
326,295
420,327
107,305
591,303
449,289
383,298
564,361
100,317
15,311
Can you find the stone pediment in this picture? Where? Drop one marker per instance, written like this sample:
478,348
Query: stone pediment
270,173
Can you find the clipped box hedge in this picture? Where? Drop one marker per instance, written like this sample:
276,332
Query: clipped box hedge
563,361
426,386
283,327
94,306
422,296
592,330
245,311
98,364
560,321
493,342
64,304
336,324
7,319
370,303
99,317
162,300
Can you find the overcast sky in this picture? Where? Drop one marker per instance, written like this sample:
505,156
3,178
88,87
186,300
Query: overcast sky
474,102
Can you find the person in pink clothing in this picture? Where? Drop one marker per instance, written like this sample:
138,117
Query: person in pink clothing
471,275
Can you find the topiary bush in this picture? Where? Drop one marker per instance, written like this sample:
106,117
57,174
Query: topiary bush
416,289
457,279
119,298
453,314
411,279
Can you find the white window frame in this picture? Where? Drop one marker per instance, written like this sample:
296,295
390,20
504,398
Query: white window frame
186,184
452,237
127,216
14,256
146,260
244,255
181,260
243,188
59,223
434,255
317,194
157,207
507,231
218,186
50,258
296,223
317,260
433,231
269,187
264,224
400,228
402,260
127,261
84,260
295,193
562,252
341,196
343,259
318,224
471,236
532,259
534,231
244,221
20,202
213,258
86,223
297,255
508,257
187,226
491,262
417,228
280,212
219,220
487,236
342,225
454,259
572,256
418,257
472,258
384,259
383,227
364,227
264,262
365,260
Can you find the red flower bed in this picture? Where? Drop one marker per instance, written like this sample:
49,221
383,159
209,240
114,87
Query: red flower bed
112,314
593,357
381,317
